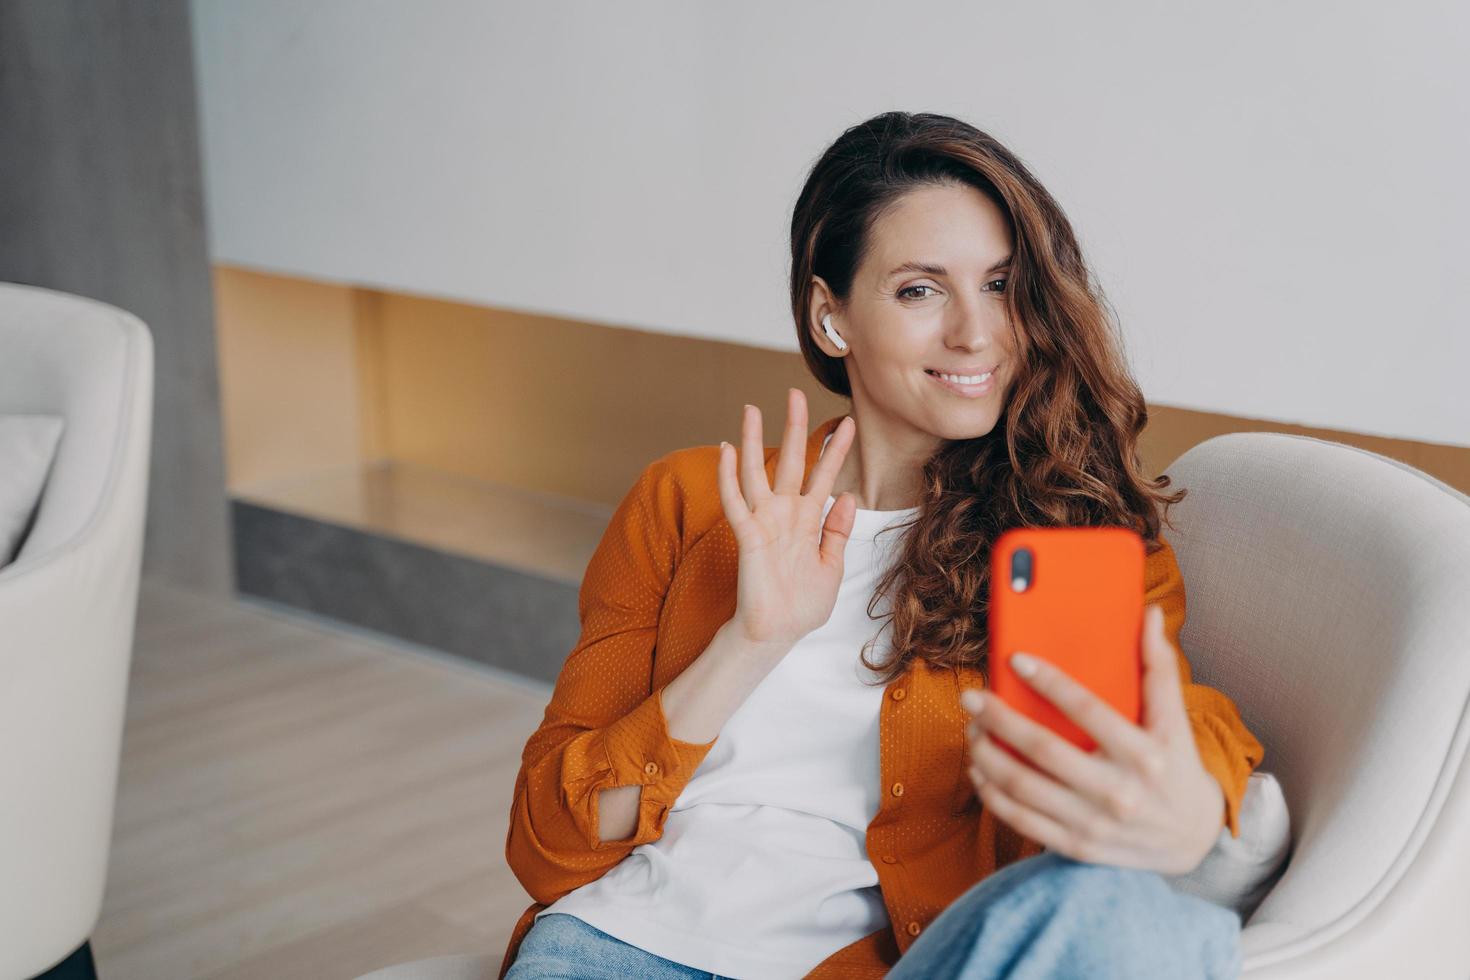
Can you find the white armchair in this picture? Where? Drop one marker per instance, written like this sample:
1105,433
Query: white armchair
1328,594
67,605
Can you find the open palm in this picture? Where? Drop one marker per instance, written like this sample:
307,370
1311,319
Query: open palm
791,560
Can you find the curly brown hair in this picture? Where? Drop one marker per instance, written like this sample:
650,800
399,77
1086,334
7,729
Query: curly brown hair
1064,450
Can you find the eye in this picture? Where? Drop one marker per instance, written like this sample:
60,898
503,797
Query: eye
993,281
908,289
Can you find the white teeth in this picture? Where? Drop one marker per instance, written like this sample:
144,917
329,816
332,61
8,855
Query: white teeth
965,379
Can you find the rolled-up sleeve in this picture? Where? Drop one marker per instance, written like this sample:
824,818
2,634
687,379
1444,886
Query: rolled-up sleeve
605,726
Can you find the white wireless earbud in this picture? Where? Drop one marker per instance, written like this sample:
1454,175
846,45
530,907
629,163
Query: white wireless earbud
827,328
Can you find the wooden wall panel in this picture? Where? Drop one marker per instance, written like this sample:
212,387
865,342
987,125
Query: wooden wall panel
318,375
288,376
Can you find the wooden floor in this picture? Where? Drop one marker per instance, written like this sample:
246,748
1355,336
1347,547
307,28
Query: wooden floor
298,800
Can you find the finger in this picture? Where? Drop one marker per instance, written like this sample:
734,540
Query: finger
753,483
791,463
1116,735
1163,698
1036,790
1022,818
829,463
737,511
1086,772
837,529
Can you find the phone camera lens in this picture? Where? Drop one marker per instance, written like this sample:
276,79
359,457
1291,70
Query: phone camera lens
1021,569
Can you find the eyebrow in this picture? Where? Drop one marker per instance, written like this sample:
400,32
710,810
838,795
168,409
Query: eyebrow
930,269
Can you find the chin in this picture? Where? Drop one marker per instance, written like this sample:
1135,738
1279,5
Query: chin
961,429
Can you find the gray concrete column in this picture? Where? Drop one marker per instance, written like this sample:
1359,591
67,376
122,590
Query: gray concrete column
100,195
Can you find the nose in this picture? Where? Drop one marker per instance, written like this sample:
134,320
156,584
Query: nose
975,323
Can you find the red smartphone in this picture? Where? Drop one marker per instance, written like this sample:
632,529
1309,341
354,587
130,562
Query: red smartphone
1073,597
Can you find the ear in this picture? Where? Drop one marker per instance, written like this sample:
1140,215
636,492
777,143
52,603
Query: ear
820,304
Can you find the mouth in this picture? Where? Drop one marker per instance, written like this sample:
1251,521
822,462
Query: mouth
967,388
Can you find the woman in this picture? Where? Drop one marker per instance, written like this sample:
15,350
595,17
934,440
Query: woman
737,777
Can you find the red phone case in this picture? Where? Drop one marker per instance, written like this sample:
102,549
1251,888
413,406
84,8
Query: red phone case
1081,611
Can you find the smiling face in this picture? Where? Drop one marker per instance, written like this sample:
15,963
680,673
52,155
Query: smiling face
929,298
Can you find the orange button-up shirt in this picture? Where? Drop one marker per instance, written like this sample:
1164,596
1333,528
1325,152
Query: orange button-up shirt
659,585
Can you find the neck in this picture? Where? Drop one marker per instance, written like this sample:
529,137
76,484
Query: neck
873,489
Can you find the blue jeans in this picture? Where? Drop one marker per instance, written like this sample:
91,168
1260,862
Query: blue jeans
1046,916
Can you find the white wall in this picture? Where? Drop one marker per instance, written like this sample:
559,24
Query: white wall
1273,194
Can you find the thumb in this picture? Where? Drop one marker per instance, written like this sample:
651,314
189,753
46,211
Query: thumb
1163,702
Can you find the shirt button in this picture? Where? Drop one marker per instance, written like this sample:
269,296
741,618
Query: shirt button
898,789
914,928
899,694
889,859
651,768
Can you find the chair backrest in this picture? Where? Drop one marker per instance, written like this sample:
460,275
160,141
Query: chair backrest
67,609
1328,594
70,356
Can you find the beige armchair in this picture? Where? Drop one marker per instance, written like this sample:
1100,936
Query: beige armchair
1329,596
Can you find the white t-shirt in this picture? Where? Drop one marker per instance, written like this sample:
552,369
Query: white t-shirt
762,870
